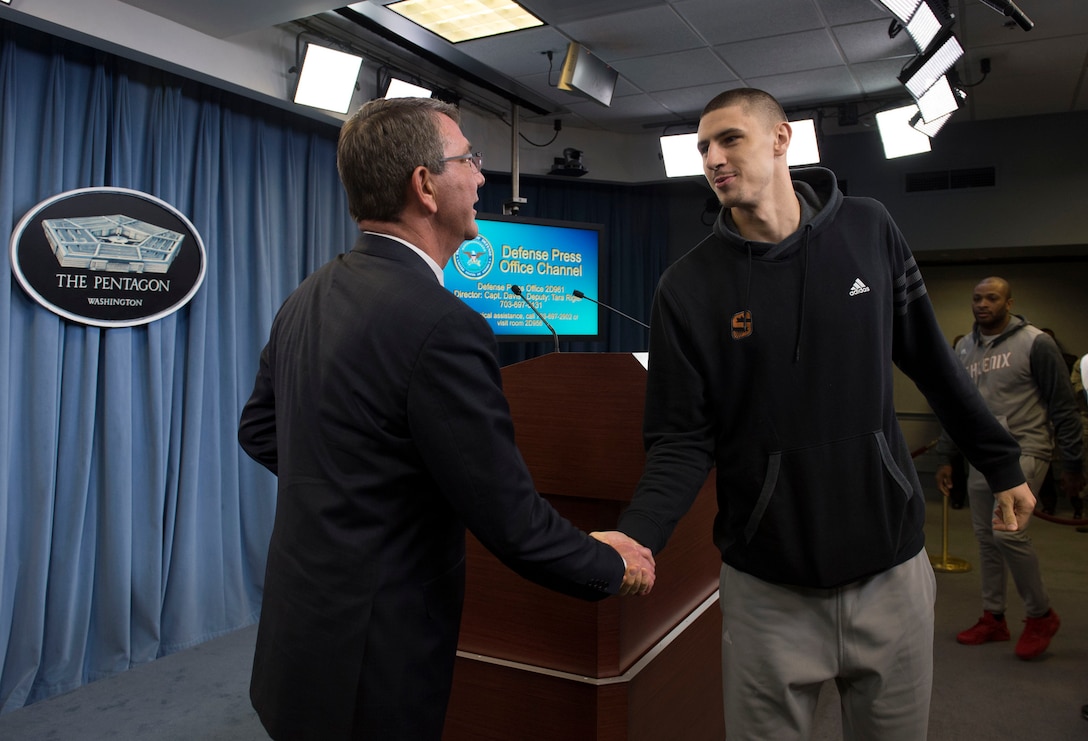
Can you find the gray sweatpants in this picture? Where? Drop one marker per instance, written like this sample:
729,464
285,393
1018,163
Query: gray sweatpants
998,550
873,637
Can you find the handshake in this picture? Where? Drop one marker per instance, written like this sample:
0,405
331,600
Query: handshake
639,577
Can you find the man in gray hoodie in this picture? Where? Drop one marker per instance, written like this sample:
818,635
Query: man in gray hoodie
1023,378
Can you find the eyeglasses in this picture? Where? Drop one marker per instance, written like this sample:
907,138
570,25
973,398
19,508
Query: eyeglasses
476,158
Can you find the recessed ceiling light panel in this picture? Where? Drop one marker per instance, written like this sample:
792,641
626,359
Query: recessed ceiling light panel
463,20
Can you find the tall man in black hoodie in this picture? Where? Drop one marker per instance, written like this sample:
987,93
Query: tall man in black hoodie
771,349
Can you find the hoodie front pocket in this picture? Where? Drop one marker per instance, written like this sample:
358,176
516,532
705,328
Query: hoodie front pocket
829,511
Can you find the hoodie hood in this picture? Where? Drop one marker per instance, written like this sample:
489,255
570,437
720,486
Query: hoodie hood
819,195
817,191
1016,323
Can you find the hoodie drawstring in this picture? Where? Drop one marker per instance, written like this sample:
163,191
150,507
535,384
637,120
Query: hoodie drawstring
748,284
804,285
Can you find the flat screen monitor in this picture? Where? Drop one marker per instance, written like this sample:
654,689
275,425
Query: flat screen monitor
547,260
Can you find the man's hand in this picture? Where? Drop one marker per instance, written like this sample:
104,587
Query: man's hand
1071,483
944,479
1014,508
639,577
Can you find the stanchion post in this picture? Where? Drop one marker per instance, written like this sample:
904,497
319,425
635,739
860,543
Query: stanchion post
947,563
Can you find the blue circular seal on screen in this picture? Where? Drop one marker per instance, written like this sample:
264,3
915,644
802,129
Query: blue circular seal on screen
474,258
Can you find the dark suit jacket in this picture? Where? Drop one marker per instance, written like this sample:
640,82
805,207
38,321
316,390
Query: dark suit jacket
379,405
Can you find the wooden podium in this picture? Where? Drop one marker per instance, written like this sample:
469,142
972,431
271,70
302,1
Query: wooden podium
536,665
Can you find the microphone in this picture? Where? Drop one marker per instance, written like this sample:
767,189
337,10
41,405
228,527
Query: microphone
1008,9
579,294
516,290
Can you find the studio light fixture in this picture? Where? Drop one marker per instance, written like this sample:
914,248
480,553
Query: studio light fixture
938,101
903,10
584,73
927,68
928,21
327,78
462,20
399,88
907,130
897,135
680,155
804,149
931,127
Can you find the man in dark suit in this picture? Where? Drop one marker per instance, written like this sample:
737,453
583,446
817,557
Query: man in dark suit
378,403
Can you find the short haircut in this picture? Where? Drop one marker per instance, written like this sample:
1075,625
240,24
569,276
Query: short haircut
1002,285
382,145
751,99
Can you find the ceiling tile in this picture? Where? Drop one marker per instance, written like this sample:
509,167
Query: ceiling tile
678,69
631,34
868,42
689,102
779,54
800,88
565,11
840,12
720,22
522,52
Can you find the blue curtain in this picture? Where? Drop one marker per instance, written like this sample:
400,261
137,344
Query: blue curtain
131,524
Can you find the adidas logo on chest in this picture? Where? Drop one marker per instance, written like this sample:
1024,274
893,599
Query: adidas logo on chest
858,287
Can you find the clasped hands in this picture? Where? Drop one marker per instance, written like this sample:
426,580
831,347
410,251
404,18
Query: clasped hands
640,575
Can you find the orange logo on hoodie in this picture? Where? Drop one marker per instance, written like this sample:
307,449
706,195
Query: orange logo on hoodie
742,324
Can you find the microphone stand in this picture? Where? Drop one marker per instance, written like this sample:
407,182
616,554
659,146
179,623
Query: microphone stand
516,290
579,294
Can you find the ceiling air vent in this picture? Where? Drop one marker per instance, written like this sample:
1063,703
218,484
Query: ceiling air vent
973,177
918,182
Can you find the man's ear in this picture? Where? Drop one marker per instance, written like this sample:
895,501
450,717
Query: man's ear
422,189
783,133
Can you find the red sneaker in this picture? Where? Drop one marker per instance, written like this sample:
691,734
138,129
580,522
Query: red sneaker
987,629
1037,634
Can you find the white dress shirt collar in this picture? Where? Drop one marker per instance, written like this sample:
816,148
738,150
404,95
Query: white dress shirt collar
426,258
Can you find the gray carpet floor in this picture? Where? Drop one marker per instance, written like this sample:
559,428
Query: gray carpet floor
980,692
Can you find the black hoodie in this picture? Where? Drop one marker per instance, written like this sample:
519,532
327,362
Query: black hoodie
774,363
